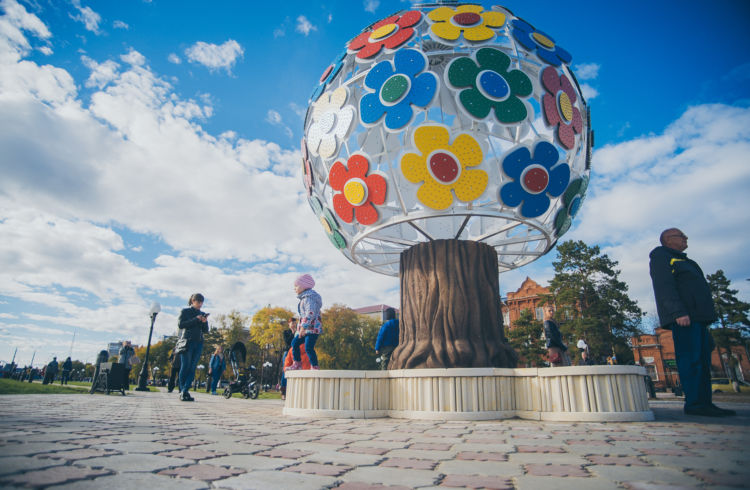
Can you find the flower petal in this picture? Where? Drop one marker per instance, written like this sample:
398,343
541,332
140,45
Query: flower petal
377,76
343,208
551,114
467,150
446,31
428,138
548,56
515,161
338,97
360,41
434,195
562,222
338,175
410,19
370,50
462,72
534,205
376,188
414,168
471,185
511,194
519,82
567,87
358,166
328,146
344,120
510,110
478,33
546,154
477,9
398,116
370,109
551,80
441,14
409,62
494,19
577,122
366,214
398,38
475,103
393,19
493,59
563,55
566,135
559,177
423,89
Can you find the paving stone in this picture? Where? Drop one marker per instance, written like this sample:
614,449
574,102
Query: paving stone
364,450
136,462
135,447
391,476
481,456
476,481
429,446
193,453
205,472
54,475
416,464
667,452
366,486
319,469
560,470
135,481
640,485
251,463
77,454
654,474
264,480
488,468
616,460
284,453
529,482
31,448
540,449
17,464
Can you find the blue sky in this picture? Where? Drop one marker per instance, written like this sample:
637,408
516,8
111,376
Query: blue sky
150,150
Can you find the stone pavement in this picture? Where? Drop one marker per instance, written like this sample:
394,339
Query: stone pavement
153,441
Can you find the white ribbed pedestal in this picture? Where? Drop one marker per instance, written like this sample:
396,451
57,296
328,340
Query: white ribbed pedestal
581,393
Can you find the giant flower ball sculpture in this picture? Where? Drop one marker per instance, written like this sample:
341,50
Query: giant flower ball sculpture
452,122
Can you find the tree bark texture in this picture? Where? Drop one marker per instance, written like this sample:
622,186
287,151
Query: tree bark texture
450,308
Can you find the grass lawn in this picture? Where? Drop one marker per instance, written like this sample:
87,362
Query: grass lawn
263,395
13,387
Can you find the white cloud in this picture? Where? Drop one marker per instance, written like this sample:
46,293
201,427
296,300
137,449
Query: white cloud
371,5
586,71
588,91
274,118
118,24
88,17
304,26
279,32
173,58
101,74
330,18
215,56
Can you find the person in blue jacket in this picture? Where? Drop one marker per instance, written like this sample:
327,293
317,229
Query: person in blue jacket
216,367
686,307
387,338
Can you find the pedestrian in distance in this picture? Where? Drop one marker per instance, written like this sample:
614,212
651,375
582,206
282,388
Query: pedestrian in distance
192,324
174,372
310,325
586,359
216,367
126,358
67,367
556,348
685,306
387,338
51,372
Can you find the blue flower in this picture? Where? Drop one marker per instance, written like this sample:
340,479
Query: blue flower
397,85
545,46
534,178
328,75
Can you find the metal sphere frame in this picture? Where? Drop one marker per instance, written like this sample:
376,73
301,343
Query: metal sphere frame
403,85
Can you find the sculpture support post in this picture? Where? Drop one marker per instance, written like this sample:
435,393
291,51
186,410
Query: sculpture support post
450,308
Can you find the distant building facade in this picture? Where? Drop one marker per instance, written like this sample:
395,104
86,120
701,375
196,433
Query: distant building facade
113,348
655,352
376,312
528,297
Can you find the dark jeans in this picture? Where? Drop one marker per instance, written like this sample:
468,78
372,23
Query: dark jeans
189,360
174,374
309,341
65,377
215,377
693,346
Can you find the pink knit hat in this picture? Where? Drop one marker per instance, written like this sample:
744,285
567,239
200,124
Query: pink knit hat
305,281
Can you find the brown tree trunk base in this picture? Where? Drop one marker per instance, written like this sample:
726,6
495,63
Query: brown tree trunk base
450,308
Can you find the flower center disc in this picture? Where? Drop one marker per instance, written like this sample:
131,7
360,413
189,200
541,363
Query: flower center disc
355,191
327,121
535,179
492,85
444,167
566,107
574,205
394,89
543,40
467,19
382,31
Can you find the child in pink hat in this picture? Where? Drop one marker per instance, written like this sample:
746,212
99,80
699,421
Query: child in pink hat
310,325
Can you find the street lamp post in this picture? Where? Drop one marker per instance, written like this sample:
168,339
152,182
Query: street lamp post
153,311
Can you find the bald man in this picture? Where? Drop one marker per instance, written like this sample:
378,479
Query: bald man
685,306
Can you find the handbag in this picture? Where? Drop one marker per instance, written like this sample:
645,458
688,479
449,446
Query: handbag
554,356
180,346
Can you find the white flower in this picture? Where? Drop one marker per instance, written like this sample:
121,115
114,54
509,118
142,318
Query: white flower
331,121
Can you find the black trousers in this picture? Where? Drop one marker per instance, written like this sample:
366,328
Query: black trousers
174,374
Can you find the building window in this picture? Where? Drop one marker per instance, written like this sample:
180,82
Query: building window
539,313
651,371
506,319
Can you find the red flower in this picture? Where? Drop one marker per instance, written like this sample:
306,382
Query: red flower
559,107
390,32
357,191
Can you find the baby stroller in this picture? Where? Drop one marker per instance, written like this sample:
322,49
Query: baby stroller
244,379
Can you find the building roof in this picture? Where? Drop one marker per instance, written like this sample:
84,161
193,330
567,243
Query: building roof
366,310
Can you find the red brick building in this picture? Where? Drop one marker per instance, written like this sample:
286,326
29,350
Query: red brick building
527,297
657,353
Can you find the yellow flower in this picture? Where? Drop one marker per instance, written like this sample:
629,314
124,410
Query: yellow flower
443,167
469,19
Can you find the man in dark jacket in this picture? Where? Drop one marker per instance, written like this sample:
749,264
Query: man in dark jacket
387,338
685,306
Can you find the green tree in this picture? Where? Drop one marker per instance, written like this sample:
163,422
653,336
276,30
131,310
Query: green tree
593,302
266,331
526,338
348,340
733,319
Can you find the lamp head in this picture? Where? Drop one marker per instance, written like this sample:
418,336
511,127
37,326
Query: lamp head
155,309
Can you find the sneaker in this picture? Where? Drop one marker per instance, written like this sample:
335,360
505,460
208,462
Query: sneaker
296,365
703,411
317,368
186,397
724,411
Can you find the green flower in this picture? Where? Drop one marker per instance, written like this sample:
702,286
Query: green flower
572,200
328,222
490,85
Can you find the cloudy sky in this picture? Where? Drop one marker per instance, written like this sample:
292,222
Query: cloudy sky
149,149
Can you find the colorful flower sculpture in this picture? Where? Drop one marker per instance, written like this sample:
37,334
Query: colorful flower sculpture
357,191
534,178
390,33
331,121
328,75
396,90
307,172
471,20
444,167
329,223
541,43
491,86
572,200
559,107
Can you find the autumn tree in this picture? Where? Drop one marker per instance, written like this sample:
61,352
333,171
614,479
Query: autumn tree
266,331
593,302
526,338
732,321
348,340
